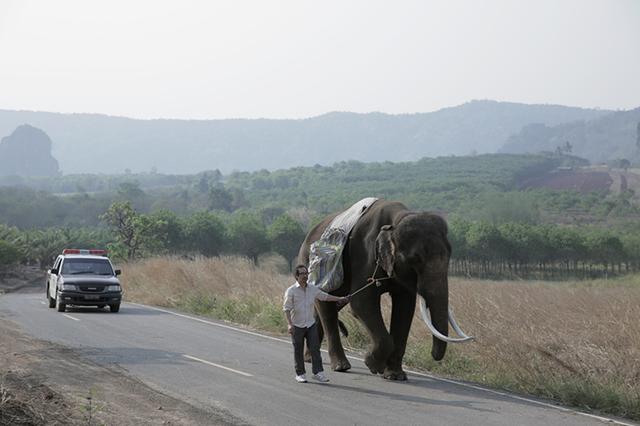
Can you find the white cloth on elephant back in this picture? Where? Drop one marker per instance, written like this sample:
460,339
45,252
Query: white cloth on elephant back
325,254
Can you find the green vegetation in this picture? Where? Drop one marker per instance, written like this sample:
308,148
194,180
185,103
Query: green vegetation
496,228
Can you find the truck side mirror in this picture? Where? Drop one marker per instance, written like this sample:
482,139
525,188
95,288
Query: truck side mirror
118,272
54,271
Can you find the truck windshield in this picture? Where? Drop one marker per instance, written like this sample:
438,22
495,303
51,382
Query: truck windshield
87,266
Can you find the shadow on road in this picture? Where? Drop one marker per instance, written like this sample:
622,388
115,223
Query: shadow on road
469,405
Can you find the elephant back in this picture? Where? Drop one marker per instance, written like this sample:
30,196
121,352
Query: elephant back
325,254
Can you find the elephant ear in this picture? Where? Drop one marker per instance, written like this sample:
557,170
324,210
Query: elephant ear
385,249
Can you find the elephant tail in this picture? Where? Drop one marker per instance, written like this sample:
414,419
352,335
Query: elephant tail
343,329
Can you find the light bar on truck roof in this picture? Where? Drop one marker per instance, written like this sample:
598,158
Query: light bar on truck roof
82,251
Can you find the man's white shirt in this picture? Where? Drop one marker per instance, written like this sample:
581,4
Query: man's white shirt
299,301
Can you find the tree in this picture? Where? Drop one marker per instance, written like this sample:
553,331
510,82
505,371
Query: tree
135,233
205,233
239,199
567,147
207,180
121,218
130,191
623,163
220,199
286,236
270,213
9,254
604,248
45,245
203,185
248,236
173,232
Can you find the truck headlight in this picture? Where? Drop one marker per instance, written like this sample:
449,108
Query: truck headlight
69,287
113,288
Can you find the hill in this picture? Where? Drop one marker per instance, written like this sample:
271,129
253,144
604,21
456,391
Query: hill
603,139
190,146
27,152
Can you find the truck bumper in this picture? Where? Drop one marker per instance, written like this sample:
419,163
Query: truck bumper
84,299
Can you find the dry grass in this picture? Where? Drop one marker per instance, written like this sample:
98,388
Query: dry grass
230,288
579,344
163,281
575,342
22,403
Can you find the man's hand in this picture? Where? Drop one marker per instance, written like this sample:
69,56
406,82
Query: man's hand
343,301
290,329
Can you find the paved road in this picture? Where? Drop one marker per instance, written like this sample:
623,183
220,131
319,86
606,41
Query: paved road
210,364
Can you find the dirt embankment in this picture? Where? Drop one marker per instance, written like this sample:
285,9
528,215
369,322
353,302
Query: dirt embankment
42,383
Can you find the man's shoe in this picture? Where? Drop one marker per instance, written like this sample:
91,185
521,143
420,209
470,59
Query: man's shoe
319,376
301,378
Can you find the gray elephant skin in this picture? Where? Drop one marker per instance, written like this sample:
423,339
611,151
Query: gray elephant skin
410,247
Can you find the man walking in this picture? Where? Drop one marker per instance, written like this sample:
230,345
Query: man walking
298,309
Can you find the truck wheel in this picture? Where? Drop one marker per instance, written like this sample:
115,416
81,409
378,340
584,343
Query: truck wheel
61,307
114,308
52,301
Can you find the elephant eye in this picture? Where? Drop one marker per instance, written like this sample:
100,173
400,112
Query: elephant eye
414,258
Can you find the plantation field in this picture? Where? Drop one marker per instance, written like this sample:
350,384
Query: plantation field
598,178
575,342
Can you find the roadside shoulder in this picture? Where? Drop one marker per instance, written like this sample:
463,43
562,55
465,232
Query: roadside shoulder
46,383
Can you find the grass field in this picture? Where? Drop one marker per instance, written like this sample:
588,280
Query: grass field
575,342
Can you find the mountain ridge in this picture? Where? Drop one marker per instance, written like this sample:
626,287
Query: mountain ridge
190,146
611,137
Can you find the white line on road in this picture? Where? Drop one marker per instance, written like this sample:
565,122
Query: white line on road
218,365
43,303
212,323
70,317
503,394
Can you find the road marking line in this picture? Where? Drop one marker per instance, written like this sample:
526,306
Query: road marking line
213,323
69,316
217,365
465,385
43,303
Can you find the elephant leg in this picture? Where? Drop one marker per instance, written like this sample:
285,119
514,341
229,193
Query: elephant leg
403,307
366,307
329,317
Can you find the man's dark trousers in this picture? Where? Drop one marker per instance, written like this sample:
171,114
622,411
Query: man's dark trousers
313,343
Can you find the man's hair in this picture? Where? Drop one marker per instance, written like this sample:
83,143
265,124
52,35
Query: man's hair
298,268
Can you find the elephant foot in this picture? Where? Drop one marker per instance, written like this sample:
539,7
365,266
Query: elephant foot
394,374
375,366
341,365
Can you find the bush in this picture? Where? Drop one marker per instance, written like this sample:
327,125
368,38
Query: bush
9,254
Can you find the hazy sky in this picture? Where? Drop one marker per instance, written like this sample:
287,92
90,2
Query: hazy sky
292,59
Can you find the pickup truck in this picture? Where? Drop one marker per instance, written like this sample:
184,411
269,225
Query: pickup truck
83,278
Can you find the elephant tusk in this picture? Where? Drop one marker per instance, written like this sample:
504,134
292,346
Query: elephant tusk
435,332
456,327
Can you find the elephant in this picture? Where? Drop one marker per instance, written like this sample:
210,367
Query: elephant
412,250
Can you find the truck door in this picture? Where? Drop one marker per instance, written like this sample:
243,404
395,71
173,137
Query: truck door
53,278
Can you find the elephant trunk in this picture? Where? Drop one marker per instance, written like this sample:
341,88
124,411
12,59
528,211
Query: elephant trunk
434,308
438,323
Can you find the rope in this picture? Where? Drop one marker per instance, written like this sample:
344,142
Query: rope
370,281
